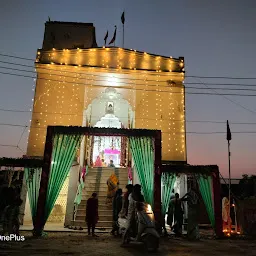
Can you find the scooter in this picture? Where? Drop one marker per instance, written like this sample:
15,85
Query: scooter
146,232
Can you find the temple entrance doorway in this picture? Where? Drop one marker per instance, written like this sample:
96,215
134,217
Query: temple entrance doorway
108,110
106,149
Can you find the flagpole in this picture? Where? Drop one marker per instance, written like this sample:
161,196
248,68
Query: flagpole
229,137
229,192
123,35
115,38
123,21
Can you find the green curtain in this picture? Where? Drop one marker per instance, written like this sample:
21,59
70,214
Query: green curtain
168,180
64,150
33,179
205,185
143,156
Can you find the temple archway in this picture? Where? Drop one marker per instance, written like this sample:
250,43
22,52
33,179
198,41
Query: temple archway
109,110
99,107
107,148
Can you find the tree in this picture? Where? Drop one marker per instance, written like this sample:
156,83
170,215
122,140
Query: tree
247,186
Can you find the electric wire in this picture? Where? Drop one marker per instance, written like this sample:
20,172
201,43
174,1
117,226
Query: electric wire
232,101
187,87
171,132
134,89
70,114
192,76
120,78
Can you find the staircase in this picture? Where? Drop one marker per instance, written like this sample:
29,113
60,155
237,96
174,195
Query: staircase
96,181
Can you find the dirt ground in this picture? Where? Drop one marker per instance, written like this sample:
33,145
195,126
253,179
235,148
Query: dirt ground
81,244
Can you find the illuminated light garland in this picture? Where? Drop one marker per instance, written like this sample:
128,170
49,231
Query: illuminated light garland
73,98
147,106
143,106
162,61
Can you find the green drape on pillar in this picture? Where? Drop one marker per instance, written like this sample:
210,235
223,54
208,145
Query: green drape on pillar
168,180
205,186
143,156
33,179
64,151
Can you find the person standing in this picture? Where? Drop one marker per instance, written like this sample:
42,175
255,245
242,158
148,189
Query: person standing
125,202
111,164
103,163
117,206
112,184
98,162
92,215
178,214
193,215
10,217
225,214
134,198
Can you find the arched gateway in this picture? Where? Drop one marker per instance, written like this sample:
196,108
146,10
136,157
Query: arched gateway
60,149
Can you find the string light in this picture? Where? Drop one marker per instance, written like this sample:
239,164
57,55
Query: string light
69,95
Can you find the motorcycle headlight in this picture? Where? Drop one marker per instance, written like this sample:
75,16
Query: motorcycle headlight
148,208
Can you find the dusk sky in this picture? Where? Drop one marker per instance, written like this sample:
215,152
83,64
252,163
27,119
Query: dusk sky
217,39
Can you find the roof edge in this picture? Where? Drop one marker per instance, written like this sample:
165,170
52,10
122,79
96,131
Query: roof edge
115,47
70,23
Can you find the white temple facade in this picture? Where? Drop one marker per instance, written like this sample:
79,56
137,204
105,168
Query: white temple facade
81,84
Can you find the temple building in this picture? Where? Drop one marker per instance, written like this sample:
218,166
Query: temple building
82,84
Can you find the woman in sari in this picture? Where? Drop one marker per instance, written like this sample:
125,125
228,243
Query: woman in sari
225,214
98,162
112,184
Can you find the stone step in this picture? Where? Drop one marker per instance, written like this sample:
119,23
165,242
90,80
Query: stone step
87,194
102,206
101,211
102,182
91,188
108,171
94,175
103,185
101,198
101,217
103,178
101,188
100,224
92,183
107,168
103,191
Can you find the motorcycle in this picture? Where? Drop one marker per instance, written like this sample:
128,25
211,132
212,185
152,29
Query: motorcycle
145,228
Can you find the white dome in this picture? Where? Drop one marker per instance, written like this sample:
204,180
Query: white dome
109,120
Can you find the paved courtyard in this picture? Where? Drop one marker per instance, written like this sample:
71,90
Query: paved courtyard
80,244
